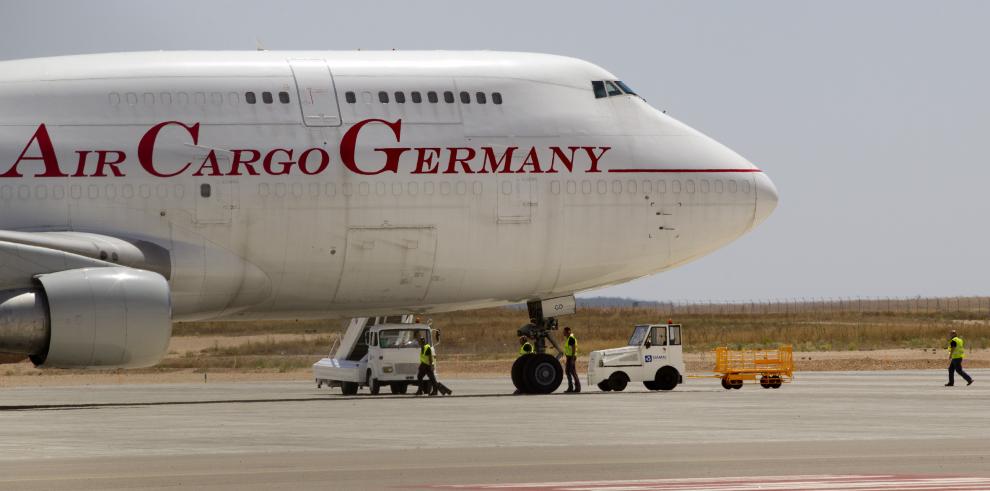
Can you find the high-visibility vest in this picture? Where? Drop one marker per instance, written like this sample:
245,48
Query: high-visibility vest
957,352
525,349
423,357
568,349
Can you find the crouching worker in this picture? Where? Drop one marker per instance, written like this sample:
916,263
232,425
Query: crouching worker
427,362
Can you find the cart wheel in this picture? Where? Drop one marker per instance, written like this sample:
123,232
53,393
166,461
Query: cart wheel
399,388
737,384
349,388
618,381
776,382
604,386
725,383
765,382
666,378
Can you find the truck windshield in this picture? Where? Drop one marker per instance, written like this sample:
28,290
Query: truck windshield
401,338
639,335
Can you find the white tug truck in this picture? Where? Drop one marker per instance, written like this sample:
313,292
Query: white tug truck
375,352
653,357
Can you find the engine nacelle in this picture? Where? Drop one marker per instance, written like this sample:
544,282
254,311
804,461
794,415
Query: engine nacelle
113,317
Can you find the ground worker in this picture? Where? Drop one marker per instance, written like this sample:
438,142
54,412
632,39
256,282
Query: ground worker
426,364
570,352
525,347
956,355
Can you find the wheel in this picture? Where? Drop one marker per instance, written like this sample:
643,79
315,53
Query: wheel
725,383
604,386
399,388
543,374
650,385
776,381
618,381
319,384
666,378
737,384
348,388
765,382
518,373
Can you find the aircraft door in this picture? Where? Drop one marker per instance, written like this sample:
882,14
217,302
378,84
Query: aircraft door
316,94
384,265
216,201
516,199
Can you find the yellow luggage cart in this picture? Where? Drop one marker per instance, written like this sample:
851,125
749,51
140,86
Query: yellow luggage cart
772,367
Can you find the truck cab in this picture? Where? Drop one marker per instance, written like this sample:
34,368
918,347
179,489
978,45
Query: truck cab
653,356
375,352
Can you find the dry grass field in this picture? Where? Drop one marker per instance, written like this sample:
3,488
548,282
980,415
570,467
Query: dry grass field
484,342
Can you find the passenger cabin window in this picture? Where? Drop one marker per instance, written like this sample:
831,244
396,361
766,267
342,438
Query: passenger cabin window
400,97
465,98
383,97
416,97
350,97
599,87
205,190
496,98
283,97
448,97
267,97
249,98
480,96
432,97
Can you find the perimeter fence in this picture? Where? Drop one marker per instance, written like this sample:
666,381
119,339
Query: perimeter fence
968,307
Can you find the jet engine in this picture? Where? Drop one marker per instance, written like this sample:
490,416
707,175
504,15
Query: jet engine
113,317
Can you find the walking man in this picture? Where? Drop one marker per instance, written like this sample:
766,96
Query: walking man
426,364
570,352
956,355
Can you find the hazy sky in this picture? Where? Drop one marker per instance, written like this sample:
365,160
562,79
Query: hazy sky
871,117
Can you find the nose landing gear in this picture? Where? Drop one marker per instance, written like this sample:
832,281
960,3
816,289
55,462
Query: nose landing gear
540,372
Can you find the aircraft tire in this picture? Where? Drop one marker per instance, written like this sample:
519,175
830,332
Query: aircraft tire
518,373
543,374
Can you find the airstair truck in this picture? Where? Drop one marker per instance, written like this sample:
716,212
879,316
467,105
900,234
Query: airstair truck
375,352
653,357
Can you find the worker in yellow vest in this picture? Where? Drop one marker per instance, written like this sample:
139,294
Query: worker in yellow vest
570,353
427,360
956,355
525,347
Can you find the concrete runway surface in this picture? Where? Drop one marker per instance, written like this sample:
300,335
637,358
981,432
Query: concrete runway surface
838,430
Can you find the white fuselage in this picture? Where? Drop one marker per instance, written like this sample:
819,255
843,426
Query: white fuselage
311,205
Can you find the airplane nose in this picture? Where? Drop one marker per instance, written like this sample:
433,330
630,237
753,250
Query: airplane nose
766,198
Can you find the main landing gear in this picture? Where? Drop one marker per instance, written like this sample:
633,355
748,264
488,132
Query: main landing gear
540,372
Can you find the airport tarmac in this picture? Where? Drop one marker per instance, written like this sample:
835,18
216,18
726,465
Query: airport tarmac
828,430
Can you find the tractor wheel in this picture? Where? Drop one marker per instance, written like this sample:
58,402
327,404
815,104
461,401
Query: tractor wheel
618,381
666,378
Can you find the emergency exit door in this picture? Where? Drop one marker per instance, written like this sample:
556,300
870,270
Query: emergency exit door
316,94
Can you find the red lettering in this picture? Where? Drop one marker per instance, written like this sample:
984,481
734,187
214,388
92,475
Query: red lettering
238,162
81,164
424,161
47,156
348,144
324,161
564,159
532,160
595,158
490,163
146,147
286,164
210,163
102,163
454,159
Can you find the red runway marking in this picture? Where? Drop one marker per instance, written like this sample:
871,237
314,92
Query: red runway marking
772,483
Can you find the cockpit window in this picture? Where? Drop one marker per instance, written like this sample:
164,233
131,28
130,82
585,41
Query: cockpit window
612,89
625,88
599,87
